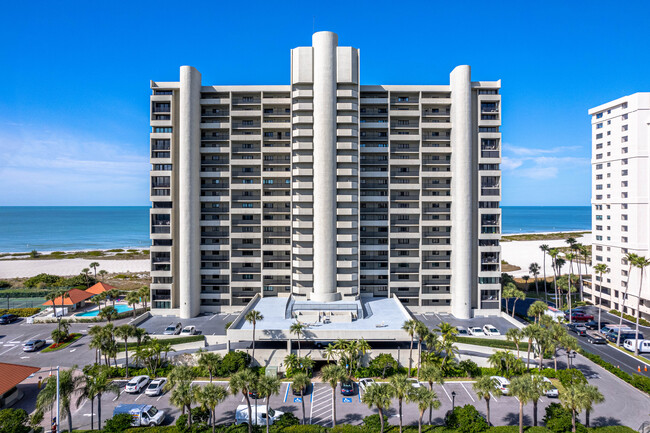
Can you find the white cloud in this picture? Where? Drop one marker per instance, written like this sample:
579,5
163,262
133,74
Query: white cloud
49,167
526,151
540,164
510,163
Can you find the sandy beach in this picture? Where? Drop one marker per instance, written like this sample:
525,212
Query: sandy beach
523,253
67,267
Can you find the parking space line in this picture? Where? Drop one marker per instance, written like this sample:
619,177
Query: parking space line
495,399
136,399
286,393
515,397
443,388
470,395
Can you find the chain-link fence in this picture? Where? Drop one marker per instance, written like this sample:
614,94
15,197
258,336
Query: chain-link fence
8,301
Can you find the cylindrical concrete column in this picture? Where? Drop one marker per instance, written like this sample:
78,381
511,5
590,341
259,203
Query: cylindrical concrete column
462,204
188,279
324,44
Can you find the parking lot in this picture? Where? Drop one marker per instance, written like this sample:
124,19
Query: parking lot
432,320
211,324
631,410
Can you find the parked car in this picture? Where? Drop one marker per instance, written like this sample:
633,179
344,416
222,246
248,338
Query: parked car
173,329
609,328
576,310
136,384
252,393
476,331
643,345
414,383
304,391
241,415
577,329
501,383
189,330
156,387
625,335
579,316
33,345
365,383
462,331
593,324
143,414
551,391
6,319
491,330
595,338
347,387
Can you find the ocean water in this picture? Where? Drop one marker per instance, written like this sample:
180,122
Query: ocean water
66,228
535,219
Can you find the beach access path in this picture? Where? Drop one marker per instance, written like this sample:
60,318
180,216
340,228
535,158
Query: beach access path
523,253
67,267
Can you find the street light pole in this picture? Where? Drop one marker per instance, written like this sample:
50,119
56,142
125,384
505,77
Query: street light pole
58,406
453,400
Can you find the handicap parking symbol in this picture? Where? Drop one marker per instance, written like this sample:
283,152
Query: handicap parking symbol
297,399
347,400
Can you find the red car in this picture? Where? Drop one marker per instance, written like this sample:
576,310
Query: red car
580,317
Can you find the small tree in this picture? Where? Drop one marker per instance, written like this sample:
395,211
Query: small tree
401,389
300,383
409,327
333,374
534,271
267,387
242,382
210,396
485,387
297,328
378,396
515,335
425,398
209,361
118,423
94,265
124,332
253,317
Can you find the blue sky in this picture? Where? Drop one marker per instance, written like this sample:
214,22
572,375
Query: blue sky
74,107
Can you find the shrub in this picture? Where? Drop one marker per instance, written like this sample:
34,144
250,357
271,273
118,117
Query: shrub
384,365
373,422
181,422
233,362
347,428
613,429
4,284
118,423
640,382
466,419
642,322
20,312
307,428
47,279
571,376
287,419
558,420
14,421
470,368
479,341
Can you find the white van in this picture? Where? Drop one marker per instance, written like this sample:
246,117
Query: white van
556,314
643,345
241,415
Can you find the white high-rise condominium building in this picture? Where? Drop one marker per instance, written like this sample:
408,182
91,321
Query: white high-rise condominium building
325,189
620,186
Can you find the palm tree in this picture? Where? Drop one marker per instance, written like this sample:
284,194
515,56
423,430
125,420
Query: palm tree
183,395
559,263
242,382
601,269
508,292
85,272
530,332
210,396
570,257
425,398
333,374
113,294
526,278
88,392
379,396
553,254
299,383
69,384
108,313
545,250
523,388
104,385
267,387
485,387
534,270
422,331
409,327
209,361
641,263
537,309
132,299
252,317
631,260
401,389
102,273
577,249
539,388
515,335
517,294
140,334
432,373
297,328
124,332
573,399
94,265
590,395
144,294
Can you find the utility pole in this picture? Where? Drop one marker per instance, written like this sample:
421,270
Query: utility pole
58,407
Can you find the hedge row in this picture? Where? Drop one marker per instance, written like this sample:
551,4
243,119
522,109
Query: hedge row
632,319
641,383
499,344
20,312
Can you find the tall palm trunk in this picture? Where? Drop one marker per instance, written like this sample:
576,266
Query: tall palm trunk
381,419
400,414
487,409
638,314
569,294
528,354
250,411
573,421
600,298
521,417
587,418
253,354
544,269
622,304
267,411
534,413
302,399
99,411
411,356
92,410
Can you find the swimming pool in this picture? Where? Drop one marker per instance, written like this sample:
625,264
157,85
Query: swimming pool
94,313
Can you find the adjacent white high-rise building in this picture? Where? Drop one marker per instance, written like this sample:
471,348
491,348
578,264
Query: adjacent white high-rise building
325,189
620,186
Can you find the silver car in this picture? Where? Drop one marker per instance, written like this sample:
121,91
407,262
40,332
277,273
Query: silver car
33,345
156,387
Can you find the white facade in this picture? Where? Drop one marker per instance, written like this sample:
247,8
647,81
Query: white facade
325,189
620,210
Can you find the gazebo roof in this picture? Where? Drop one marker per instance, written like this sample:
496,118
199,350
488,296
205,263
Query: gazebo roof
99,288
72,297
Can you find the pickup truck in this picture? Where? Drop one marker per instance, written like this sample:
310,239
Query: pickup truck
580,317
143,414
